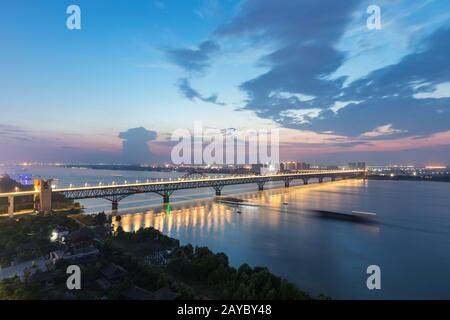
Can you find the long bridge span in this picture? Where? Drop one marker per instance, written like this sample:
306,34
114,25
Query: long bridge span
43,190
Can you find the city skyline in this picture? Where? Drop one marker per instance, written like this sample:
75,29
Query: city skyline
337,91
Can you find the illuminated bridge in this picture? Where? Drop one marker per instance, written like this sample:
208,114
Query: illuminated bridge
115,192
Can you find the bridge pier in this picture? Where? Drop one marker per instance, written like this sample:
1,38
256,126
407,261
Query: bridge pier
287,183
320,180
333,179
166,195
11,206
218,190
305,181
166,198
261,186
115,205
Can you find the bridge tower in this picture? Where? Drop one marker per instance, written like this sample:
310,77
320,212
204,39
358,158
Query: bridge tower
43,199
11,206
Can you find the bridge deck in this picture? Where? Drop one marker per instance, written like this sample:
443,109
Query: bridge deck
186,183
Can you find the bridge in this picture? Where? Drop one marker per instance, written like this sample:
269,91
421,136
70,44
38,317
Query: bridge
43,190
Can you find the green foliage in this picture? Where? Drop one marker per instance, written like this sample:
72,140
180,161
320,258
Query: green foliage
14,289
28,237
202,265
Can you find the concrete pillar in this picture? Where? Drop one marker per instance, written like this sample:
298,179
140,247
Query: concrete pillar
218,192
45,195
260,186
115,205
11,205
166,198
305,181
287,183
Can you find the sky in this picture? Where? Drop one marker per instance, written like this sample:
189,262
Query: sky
115,90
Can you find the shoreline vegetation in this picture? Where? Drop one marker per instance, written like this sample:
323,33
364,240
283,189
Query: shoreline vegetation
145,262
141,265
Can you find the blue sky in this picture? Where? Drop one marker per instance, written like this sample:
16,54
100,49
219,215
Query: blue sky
337,90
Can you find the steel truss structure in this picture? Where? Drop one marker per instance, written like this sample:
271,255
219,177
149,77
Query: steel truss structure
115,193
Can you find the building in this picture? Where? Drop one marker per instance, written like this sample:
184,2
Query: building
303,166
86,254
288,166
265,169
357,165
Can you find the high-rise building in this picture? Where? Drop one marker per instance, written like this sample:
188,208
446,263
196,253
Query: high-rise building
357,165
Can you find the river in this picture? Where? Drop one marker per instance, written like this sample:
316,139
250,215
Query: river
410,240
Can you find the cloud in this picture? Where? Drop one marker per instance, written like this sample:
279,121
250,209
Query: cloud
135,148
304,37
208,9
194,60
411,94
186,90
384,130
389,94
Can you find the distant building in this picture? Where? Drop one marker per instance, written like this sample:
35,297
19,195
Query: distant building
264,169
357,165
288,166
256,168
303,166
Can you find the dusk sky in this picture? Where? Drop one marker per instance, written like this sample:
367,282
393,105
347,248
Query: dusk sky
137,70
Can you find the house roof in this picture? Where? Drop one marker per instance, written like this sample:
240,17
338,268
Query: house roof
112,271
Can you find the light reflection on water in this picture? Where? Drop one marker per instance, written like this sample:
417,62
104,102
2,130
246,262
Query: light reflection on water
410,241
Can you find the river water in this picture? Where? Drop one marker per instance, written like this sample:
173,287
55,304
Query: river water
409,241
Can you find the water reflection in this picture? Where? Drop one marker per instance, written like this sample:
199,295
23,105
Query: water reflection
210,216
280,230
